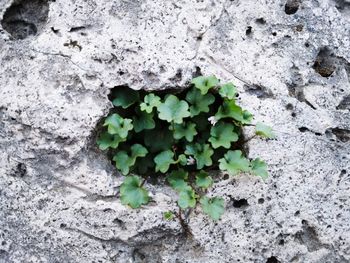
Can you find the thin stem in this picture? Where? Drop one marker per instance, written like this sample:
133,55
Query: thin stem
247,140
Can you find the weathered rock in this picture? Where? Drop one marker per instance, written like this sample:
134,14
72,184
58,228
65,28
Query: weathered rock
58,192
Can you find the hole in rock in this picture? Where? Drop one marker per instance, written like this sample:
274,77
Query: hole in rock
260,21
261,200
25,18
342,135
240,203
344,104
291,7
248,31
258,90
325,62
272,259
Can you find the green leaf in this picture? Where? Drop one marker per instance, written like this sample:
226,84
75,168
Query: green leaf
123,161
107,140
125,97
187,130
163,161
173,110
150,101
132,193
202,154
234,162
182,159
203,180
259,168
222,135
117,125
264,131
205,83
187,198
230,109
159,139
228,90
199,103
144,121
214,207
168,215
177,180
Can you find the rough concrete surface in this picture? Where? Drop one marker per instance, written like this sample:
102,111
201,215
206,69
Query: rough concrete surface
290,60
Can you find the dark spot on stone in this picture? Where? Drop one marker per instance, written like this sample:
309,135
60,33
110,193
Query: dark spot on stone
344,104
274,34
20,170
25,18
342,135
197,72
272,259
307,44
77,28
248,31
297,213
260,21
343,172
299,28
325,62
226,176
261,200
294,114
308,237
291,7
303,129
63,225
240,203
289,106
281,242
259,91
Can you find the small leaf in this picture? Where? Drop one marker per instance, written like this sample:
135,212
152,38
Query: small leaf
233,162
163,161
187,130
125,97
228,91
177,180
203,180
144,121
173,110
187,198
168,215
117,125
259,168
123,161
202,154
150,101
222,135
131,192
107,140
230,109
264,131
199,103
205,83
182,159
214,207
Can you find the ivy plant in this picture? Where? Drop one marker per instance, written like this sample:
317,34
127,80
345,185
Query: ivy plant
183,137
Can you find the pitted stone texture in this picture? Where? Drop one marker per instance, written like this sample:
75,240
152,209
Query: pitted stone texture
59,193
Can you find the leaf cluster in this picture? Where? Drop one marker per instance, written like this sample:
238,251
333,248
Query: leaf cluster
183,136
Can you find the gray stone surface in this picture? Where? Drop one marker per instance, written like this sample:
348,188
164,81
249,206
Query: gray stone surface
58,192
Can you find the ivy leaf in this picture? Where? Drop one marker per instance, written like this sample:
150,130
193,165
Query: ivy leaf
177,180
117,125
264,131
202,154
259,168
123,161
203,180
159,139
230,109
144,121
182,159
233,162
163,161
205,83
150,101
107,140
222,135
214,207
187,198
125,97
187,130
228,90
199,103
168,215
173,110
132,193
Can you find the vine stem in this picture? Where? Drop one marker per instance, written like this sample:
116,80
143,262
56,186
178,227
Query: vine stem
143,182
251,138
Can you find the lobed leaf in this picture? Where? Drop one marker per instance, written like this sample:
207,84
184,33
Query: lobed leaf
222,135
132,193
125,97
150,101
118,125
264,131
203,180
234,162
228,91
199,103
259,168
187,130
163,161
214,207
173,110
201,153
205,83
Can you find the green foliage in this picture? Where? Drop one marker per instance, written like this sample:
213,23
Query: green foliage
132,193
264,131
182,136
214,207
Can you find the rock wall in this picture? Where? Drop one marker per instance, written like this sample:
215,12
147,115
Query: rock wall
290,60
